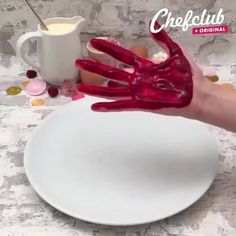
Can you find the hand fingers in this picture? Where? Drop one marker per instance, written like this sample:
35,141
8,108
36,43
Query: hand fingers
118,52
194,66
114,84
120,105
186,54
165,41
104,91
131,105
104,70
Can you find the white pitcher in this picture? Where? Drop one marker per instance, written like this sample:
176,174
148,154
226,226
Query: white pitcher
56,52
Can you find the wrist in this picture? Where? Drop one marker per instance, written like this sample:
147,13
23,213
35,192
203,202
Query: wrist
202,99
206,99
216,105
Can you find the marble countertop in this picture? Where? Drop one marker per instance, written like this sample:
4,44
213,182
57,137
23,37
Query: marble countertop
23,213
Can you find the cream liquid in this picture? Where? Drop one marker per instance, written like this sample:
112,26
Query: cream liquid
60,28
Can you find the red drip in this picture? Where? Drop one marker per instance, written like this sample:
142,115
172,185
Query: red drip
151,86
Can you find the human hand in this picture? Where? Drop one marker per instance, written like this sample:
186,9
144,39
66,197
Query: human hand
171,87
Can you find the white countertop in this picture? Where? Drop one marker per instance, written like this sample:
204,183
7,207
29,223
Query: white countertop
22,212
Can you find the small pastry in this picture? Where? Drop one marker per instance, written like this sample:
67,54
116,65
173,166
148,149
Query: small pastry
159,57
91,78
140,50
94,79
228,85
36,87
210,74
38,102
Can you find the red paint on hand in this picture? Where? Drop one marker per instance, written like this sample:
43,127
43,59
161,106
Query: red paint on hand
150,87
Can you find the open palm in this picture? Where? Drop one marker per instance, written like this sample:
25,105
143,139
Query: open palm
162,88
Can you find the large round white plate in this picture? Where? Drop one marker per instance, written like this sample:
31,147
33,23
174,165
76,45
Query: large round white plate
119,168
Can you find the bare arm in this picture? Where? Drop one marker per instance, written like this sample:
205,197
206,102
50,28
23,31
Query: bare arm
218,106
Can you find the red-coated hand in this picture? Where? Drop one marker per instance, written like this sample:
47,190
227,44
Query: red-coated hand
150,87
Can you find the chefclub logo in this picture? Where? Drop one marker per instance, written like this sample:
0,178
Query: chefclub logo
203,24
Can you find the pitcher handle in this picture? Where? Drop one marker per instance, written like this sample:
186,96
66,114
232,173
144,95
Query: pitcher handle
20,45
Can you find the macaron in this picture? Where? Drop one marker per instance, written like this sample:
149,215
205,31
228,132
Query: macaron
14,90
213,78
25,83
228,85
36,87
38,102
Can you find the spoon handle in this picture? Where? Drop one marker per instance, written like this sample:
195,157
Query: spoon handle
36,14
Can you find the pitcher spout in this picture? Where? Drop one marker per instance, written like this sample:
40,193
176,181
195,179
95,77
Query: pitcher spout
79,21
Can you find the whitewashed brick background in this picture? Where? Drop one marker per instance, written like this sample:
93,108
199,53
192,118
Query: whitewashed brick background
22,212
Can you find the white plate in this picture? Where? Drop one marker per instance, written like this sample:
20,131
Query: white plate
119,168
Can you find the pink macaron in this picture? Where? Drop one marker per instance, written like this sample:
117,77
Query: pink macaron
36,87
